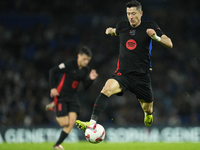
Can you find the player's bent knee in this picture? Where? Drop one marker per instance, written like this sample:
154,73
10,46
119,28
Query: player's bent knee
107,91
64,124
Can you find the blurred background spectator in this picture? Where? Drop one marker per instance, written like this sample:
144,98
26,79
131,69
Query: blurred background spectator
36,35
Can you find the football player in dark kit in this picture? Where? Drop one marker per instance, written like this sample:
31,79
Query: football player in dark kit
67,105
132,73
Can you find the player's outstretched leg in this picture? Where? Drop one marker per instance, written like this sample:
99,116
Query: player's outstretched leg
58,147
82,125
148,120
50,106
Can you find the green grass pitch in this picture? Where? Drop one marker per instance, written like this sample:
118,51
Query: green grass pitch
103,146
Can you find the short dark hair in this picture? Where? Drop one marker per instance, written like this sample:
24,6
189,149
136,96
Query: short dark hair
85,50
134,3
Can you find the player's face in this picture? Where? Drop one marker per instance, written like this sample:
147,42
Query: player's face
83,60
134,16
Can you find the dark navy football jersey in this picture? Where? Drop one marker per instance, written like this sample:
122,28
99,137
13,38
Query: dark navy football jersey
135,47
70,79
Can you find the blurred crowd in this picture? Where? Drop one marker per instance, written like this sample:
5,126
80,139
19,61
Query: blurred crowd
37,35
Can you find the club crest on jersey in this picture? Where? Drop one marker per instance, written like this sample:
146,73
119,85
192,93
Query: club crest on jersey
132,32
131,44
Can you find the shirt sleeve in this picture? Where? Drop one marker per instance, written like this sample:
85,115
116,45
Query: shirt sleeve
87,82
61,68
157,29
117,28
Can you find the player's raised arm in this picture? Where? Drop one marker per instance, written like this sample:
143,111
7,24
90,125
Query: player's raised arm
111,31
164,40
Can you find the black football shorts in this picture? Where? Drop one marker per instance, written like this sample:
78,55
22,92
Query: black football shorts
140,85
65,105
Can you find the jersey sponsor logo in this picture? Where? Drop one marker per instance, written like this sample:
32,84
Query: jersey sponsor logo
61,66
75,84
132,32
131,44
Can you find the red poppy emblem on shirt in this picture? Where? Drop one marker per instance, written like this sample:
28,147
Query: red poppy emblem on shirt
75,84
131,44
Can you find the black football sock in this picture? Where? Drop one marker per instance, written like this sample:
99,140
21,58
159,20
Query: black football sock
62,137
99,106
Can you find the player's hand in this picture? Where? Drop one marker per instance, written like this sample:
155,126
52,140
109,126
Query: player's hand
54,92
153,35
93,74
151,32
111,31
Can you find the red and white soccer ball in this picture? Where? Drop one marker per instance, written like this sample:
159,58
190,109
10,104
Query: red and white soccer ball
95,133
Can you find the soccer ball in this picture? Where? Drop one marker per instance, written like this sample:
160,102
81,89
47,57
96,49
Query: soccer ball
95,133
